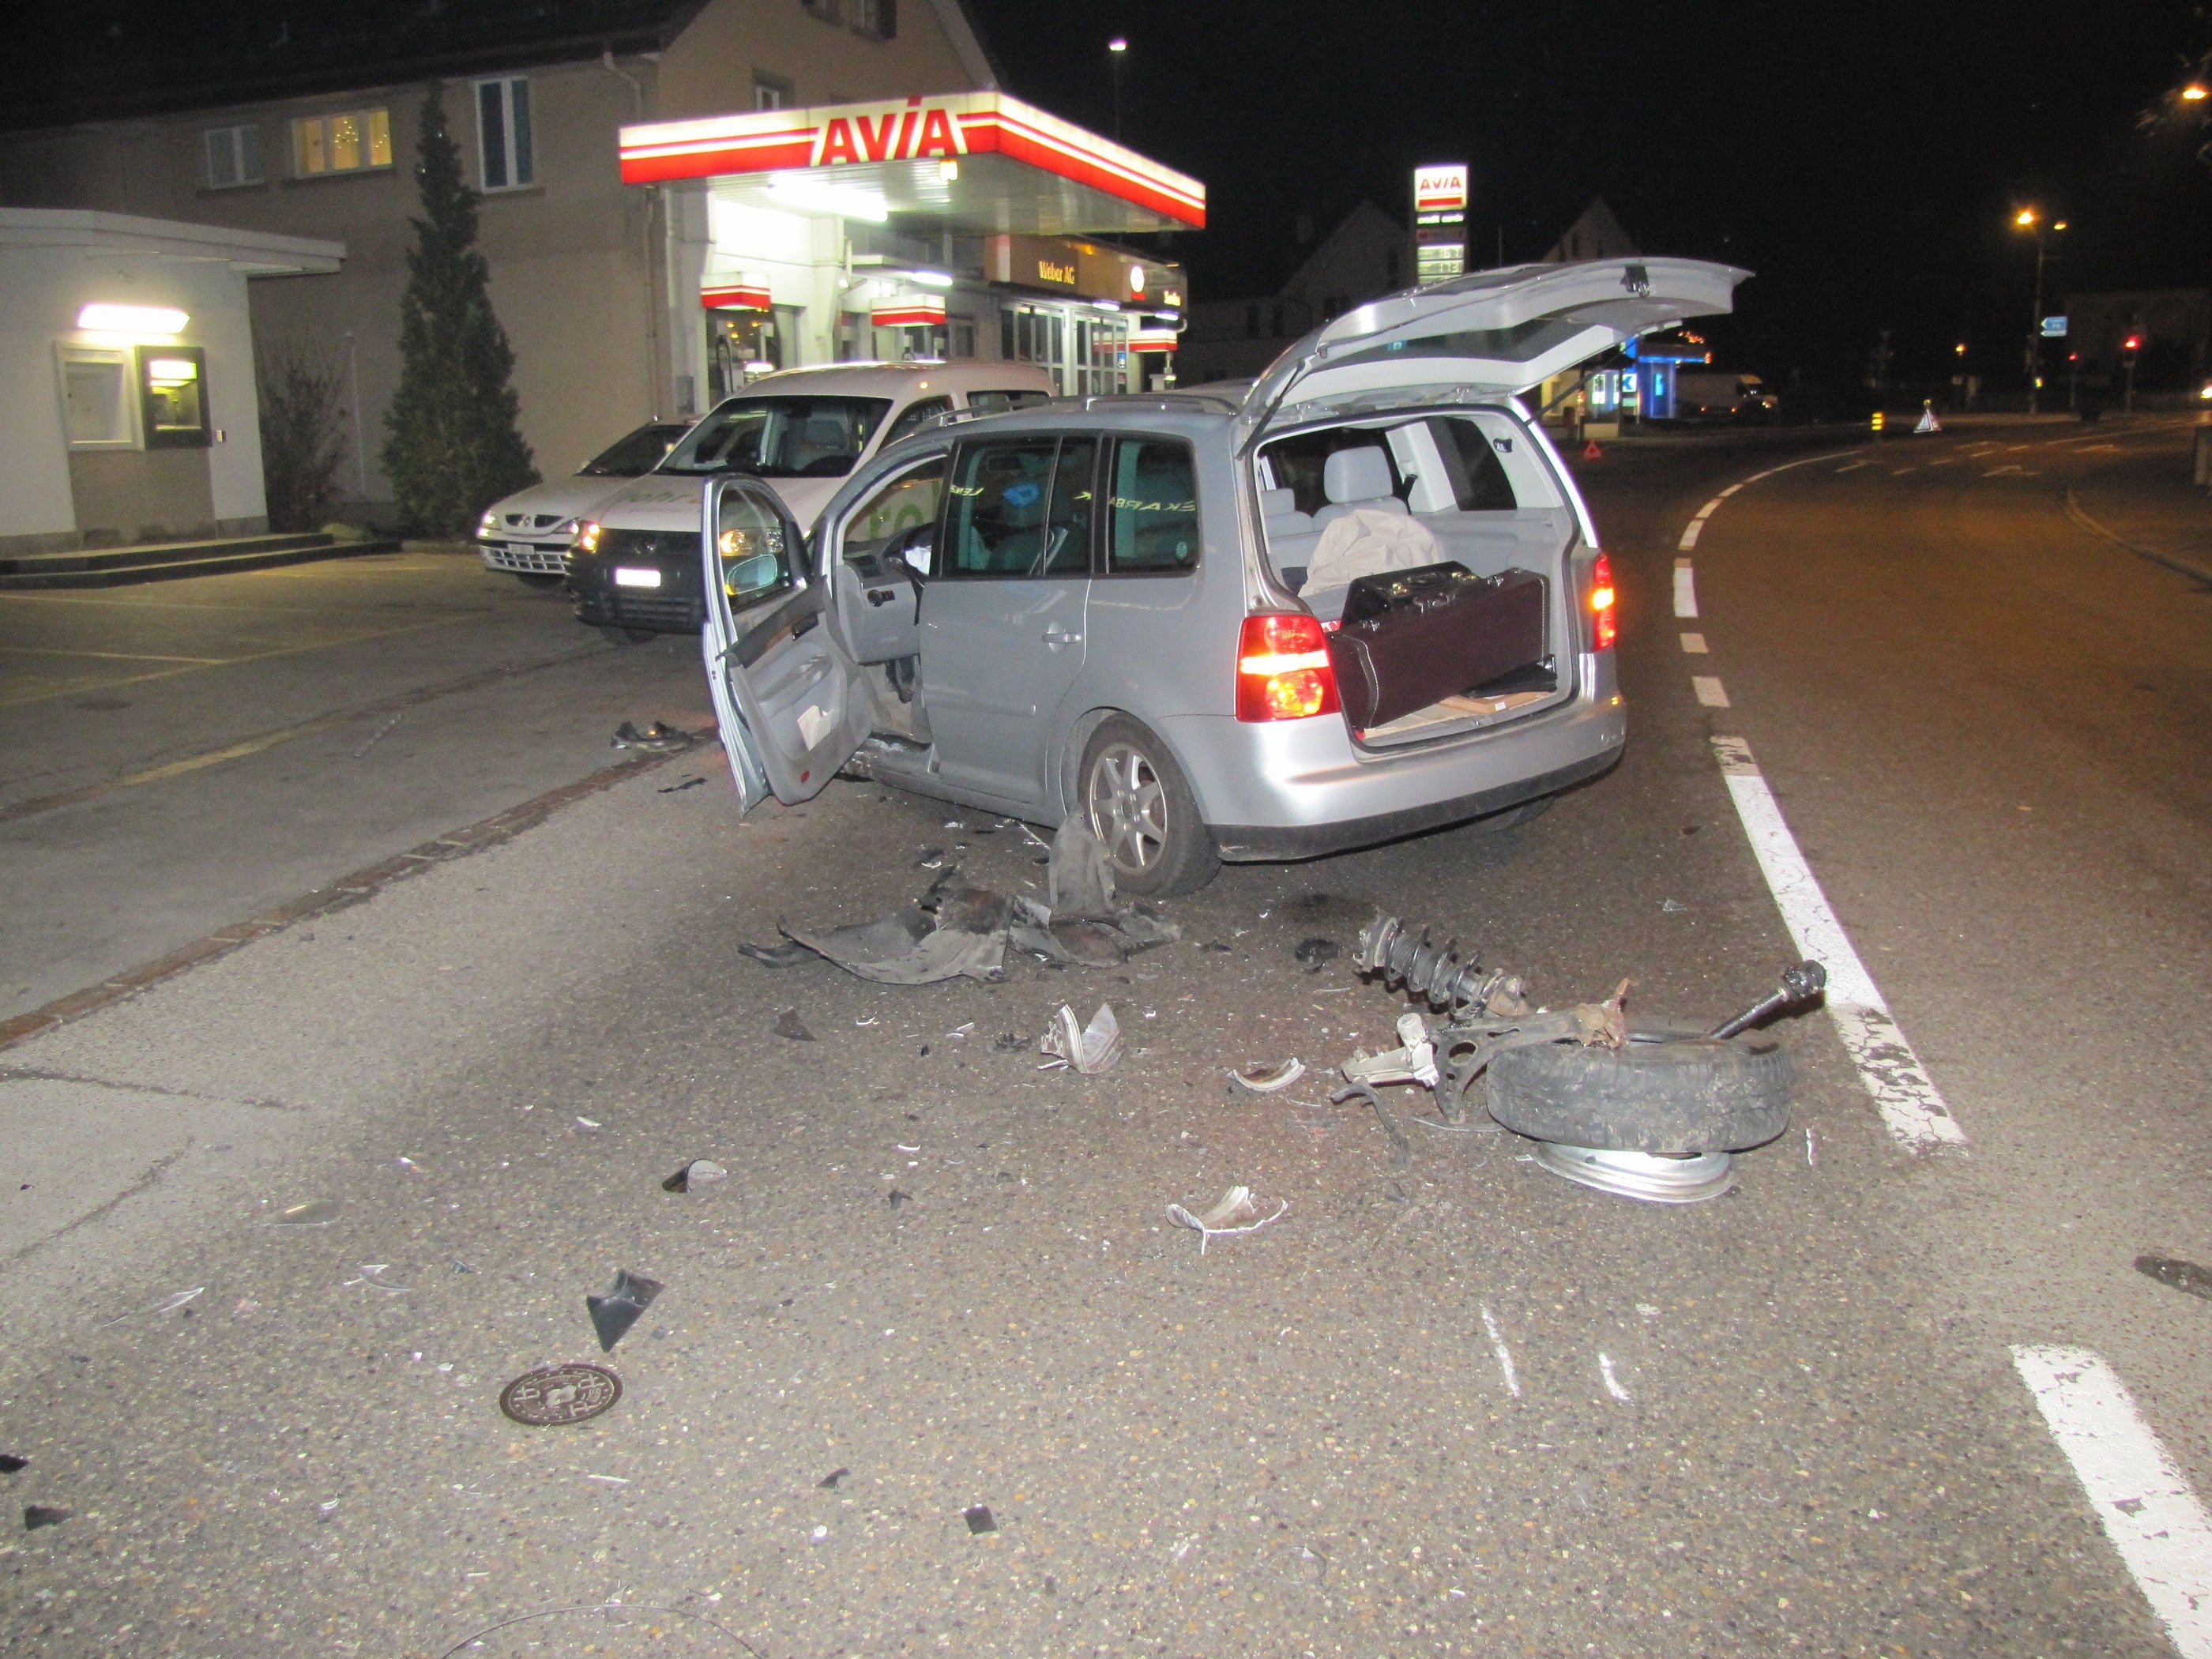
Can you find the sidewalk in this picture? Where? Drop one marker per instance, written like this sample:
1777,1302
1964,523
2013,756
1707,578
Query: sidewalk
2143,501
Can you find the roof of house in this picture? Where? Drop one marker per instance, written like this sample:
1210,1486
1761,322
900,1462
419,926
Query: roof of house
109,59
1597,235
250,253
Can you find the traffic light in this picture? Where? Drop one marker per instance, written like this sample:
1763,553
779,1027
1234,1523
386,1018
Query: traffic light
2131,345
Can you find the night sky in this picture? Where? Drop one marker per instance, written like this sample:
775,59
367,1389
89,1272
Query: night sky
1864,159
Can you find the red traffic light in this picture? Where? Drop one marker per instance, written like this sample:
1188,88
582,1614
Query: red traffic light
2133,343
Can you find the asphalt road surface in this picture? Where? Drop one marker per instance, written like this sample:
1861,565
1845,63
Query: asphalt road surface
1457,1406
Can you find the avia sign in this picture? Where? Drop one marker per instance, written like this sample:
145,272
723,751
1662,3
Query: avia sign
1441,189
943,129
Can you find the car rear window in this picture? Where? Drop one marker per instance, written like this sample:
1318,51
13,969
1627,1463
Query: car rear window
997,403
1153,527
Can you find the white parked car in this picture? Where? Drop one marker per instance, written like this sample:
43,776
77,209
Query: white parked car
635,562
527,534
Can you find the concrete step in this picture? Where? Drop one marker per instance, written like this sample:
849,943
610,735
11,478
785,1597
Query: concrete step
157,561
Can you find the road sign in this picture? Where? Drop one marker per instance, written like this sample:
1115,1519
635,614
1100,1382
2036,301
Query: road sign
2054,328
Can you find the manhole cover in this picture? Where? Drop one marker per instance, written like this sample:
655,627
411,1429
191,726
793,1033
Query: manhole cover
560,1394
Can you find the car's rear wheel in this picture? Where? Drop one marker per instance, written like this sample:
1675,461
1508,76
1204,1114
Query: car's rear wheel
1135,799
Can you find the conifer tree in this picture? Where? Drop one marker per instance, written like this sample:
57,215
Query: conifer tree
452,445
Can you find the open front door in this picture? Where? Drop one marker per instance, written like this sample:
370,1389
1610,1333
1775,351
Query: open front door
790,703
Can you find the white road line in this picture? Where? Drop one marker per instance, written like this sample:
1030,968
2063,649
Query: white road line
1686,587
1690,534
1504,1354
1698,520
2142,1499
1902,1090
1710,690
1694,644
1612,1382
1853,466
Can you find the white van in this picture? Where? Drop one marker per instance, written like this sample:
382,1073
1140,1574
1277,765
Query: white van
801,432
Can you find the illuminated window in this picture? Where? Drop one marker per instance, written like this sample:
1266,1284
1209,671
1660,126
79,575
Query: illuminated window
503,134
359,141
96,398
173,397
233,156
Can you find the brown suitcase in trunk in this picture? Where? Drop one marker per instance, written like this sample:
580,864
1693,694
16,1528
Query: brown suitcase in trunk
1414,637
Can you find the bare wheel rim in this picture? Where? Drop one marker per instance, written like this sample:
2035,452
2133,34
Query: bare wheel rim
1128,807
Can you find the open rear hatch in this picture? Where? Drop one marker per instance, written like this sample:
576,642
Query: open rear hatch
1439,542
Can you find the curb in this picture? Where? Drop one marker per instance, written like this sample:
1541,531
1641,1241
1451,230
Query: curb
2195,572
345,892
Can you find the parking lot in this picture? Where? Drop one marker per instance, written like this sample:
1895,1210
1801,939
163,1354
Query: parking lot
1447,1403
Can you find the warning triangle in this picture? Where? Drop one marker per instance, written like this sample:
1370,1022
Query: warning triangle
1928,421
1591,452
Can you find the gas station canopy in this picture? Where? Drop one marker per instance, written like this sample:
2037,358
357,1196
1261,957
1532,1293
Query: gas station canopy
977,161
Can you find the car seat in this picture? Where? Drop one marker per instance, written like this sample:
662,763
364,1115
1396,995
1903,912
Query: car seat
1291,534
1358,478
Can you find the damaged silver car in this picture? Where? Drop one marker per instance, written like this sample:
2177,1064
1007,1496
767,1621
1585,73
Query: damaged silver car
1363,599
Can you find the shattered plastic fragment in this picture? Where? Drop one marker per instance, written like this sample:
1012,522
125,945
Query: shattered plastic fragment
589,1126
1009,1042
626,1300
1080,881
1268,1077
699,1172
788,1024
316,1213
1090,1049
828,1482
406,1165
41,1515
372,1278
1235,1212
1317,952
678,788
979,1519
789,954
895,1198
655,739
908,947
2181,1275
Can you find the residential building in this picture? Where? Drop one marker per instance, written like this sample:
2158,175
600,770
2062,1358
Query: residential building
1363,258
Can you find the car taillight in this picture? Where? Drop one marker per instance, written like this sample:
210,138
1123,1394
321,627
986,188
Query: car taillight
1282,671
1605,626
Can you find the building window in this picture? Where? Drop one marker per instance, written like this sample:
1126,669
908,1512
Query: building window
503,134
173,397
770,91
877,18
357,141
830,11
96,405
234,157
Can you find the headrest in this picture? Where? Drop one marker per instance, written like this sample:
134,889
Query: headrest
1278,503
1356,474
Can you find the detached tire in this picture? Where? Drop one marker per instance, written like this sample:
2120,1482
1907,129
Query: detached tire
1669,1092
1134,797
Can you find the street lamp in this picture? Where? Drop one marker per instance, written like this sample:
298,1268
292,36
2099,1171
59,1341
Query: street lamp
2029,219
2195,93
1116,50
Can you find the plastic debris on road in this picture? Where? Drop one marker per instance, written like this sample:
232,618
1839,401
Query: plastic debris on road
1235,1212
700,1174
828,1482
1079,878
553,1395
36,1516
655,739
788,1024
1090,1048
678,788
372,1278
980,1519
168,1304
625,1303
406,1165
789,954
1268,1077
316,1213
2181,1275
1317,952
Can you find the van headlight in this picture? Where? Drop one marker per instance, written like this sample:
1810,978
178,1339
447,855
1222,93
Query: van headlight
488,524
588,538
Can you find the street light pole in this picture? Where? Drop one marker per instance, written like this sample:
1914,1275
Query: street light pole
1117,49
2028,219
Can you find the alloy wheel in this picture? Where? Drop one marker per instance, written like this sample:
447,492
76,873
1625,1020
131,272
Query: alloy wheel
1128,807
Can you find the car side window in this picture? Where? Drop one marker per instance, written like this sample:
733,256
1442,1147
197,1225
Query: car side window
1022,508
1153,527
755,550
1478,482
914,416
997,403
901,503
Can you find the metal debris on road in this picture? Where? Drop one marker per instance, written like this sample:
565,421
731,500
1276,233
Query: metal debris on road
36,1516
2182,1275
1653,1178
1234,1213
828,1482
788,1024
553,1395
655,739
1268,1077
700,1172
980,1519
316,1213
1090,1048
624,1304
1414,1061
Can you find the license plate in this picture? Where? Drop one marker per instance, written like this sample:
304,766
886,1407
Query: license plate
523,547
631,576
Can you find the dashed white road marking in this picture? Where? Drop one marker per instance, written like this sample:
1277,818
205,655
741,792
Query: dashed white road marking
1694,644
1946,461
1504,1354
1685,587
1710,690
1902,470
1901,1088
1853,466
2141,1498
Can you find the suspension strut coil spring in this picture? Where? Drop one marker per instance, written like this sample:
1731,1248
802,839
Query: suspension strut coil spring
1388,947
